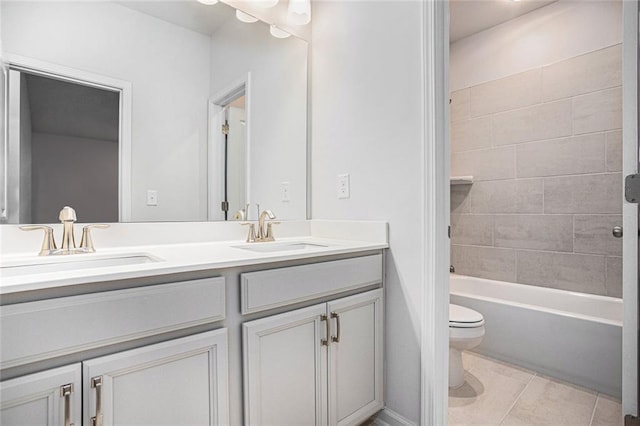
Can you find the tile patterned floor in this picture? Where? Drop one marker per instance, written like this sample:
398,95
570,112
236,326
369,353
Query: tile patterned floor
497,393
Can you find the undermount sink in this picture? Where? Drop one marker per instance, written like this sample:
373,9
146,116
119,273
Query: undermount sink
270,247
71,263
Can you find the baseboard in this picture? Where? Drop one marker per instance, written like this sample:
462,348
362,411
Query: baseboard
388,417
630,420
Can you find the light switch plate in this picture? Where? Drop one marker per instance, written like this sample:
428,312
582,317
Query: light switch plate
284,187
152,197
343,186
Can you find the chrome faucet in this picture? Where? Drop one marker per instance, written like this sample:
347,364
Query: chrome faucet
262,232
67,217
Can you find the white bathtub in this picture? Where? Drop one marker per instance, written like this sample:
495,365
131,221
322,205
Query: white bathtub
571,336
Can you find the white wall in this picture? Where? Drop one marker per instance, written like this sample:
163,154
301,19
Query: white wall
236,160
542,37
276,109
3,79
366,115
168,67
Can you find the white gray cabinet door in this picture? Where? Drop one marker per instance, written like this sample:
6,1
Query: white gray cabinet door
355,358
51,398
179,382
293,378
285,369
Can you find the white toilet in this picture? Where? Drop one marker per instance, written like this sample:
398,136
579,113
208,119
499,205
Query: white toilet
466,330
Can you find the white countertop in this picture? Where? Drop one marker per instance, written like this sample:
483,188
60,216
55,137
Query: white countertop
174,258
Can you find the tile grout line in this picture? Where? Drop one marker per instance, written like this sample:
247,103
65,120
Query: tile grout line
518,397
593,413
493,147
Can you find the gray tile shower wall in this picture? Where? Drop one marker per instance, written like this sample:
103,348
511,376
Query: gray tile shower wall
544,147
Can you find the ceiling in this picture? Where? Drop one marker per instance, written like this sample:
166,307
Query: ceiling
208,19
188,14
468,17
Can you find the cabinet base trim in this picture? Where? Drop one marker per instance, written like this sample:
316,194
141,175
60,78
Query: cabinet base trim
388,417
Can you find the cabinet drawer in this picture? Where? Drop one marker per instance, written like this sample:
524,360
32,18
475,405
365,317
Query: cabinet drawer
34,331
263,290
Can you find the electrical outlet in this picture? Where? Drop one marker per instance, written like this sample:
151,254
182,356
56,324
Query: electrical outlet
343,186
284,186
152,197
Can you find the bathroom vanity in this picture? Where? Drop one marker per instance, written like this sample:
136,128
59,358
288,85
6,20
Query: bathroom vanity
288,332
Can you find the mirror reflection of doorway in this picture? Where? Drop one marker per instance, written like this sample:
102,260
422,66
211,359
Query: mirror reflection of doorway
228,152
63,149
235,153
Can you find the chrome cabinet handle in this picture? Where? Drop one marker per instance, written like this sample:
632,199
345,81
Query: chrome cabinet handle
65,392
49,242
96,383
336,338
325,342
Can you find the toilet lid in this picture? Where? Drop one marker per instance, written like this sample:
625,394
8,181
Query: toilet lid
459,316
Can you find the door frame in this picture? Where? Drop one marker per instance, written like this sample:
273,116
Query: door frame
630,211
85,78
434,345
215,143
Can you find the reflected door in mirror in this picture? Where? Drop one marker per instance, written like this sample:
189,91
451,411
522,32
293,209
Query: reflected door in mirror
63,149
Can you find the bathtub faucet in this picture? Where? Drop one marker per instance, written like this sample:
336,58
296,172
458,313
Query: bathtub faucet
452,269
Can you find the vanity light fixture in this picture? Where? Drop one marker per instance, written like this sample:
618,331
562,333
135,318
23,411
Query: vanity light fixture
208,2
245,17
299,12
277,32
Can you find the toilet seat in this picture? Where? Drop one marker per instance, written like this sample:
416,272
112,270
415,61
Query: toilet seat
461,317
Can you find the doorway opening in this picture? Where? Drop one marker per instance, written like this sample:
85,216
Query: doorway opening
67,142
229,153
64,145
536,191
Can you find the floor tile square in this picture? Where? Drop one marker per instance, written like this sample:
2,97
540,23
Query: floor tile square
487,395
608,412
549,402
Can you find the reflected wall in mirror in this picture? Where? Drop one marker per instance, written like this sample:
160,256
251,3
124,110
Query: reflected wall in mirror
179,59
235,148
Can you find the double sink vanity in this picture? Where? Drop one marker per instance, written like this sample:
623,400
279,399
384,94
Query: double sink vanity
183,317
188,324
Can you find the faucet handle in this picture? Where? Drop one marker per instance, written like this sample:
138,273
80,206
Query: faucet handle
251,236
270,236
49,242
87,242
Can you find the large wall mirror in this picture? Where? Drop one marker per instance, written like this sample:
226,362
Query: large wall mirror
149,111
